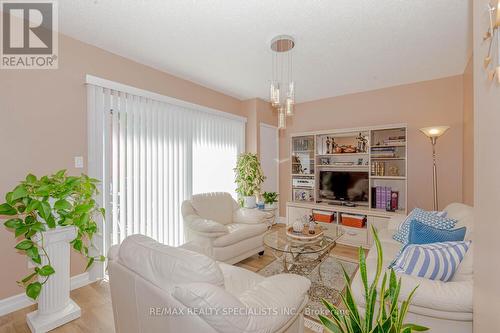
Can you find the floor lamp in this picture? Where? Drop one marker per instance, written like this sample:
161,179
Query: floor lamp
434,133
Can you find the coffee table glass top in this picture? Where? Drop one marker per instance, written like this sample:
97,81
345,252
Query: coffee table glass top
279,241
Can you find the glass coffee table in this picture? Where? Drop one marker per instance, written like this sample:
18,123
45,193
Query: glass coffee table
300,256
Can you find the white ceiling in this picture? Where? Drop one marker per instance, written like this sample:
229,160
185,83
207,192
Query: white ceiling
342,46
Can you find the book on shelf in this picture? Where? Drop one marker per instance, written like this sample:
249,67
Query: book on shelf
383,152
383,197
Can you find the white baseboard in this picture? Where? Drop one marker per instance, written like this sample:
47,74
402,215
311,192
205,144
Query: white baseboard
19,301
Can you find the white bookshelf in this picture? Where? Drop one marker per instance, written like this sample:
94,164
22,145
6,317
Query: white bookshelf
393,173
307,164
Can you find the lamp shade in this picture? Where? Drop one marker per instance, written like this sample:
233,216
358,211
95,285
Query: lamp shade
434,131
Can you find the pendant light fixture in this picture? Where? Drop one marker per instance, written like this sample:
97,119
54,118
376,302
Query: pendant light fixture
282,87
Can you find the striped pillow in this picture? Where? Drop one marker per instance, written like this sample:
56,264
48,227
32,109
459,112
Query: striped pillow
436,261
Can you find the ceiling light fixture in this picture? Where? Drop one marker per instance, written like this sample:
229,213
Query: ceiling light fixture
282,87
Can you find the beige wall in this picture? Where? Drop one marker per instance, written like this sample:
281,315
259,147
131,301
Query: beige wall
43,123
258,111
468,136
487,184
437,102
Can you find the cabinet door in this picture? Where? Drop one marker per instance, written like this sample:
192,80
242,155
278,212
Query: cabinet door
379,223
353,236
294,213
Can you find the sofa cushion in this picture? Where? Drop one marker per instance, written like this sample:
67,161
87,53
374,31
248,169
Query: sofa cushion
464,214
421,233
217,206
429,218
465,270
239,232
156,262
436,261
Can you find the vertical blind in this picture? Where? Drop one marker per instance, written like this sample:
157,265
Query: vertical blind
155,155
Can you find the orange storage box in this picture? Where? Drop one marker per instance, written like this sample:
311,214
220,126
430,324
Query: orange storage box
322,216
355,221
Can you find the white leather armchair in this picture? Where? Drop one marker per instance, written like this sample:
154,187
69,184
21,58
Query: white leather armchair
158,288
215,225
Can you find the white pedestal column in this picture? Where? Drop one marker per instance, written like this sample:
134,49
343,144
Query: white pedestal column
55,308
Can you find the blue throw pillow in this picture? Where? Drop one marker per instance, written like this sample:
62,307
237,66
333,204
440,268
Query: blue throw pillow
436,261
428,218
421,233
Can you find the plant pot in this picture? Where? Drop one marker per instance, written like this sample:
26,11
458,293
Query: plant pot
249,202
270,206
55,308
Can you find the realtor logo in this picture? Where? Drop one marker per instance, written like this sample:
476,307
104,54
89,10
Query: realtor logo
29,35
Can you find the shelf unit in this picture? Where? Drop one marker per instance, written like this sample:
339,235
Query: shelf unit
384,158
385,146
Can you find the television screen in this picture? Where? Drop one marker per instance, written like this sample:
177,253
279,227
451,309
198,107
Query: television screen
344,186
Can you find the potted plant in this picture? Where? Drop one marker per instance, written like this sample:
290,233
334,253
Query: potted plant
249,177
390,316
48,215
270,199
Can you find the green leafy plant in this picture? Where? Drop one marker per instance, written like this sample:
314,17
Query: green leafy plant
270,197
249,175
36,205
390,315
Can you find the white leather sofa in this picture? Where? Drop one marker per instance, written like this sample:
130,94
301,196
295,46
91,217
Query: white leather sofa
215,225
158,288
441,306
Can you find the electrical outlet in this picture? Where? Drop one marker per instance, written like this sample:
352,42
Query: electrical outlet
79,162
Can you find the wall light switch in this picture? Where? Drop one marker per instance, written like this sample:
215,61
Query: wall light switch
79,162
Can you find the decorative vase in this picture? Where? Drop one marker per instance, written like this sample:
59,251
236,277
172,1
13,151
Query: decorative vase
55,308
270,205
249,201
298,226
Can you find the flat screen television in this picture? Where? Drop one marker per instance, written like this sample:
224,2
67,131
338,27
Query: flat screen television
344,186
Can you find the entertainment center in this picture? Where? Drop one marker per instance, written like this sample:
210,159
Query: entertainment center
344,175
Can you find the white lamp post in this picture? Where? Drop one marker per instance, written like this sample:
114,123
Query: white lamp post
433,133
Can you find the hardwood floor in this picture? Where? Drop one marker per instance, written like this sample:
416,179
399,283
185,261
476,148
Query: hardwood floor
97,315
95,300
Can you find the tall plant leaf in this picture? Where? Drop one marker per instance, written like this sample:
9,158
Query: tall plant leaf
362,268
389,320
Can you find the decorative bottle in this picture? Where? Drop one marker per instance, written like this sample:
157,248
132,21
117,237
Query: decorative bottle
312,225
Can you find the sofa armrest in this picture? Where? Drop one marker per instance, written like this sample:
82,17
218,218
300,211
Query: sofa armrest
395,221
273,293
250,216
266,307
238,280
205,227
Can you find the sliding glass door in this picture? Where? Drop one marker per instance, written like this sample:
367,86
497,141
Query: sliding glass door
152,155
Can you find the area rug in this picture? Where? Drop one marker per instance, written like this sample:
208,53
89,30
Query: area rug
329,286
